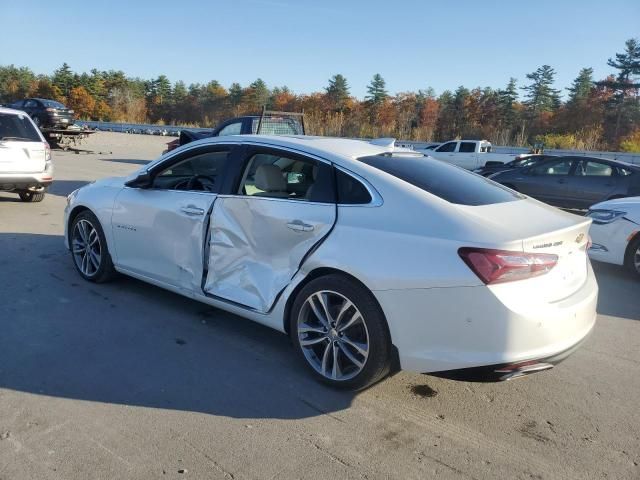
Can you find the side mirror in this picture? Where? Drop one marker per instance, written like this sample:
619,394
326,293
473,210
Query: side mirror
143,180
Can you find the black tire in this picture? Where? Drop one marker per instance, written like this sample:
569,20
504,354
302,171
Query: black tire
631,256
31,196
377,364
104,271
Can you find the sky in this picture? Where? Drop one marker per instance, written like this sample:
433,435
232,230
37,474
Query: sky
302,43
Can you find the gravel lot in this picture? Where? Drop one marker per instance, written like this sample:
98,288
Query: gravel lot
125,380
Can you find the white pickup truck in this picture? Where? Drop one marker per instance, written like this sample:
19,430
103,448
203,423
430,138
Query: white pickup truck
469,154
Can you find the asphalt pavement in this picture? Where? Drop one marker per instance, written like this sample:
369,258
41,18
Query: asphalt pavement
126,380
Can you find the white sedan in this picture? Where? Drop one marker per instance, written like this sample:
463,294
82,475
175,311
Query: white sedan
616,232
371,258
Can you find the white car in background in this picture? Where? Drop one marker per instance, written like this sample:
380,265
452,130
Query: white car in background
370,258
25,157
616,232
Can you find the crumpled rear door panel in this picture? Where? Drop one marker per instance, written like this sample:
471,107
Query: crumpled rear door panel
257,244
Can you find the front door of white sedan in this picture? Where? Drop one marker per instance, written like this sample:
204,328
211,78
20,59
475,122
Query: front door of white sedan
281,208
159,231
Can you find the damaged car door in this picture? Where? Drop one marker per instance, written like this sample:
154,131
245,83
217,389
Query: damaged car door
283,207
160,225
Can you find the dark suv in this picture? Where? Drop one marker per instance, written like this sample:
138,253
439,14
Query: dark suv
45,113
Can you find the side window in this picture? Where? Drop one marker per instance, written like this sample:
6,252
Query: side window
351,191
467,147
201,172
275,175
447,147
231,129
556,167
30,104
593,169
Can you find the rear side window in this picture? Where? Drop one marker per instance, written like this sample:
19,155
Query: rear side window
467,147
350,190
17,128
446,181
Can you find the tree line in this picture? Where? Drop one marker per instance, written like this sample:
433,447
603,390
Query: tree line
596,114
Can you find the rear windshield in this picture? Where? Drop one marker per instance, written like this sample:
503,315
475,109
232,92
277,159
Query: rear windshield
18,128
446,181
277,126
52,104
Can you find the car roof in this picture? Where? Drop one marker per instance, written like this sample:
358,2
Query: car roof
344,148
12,111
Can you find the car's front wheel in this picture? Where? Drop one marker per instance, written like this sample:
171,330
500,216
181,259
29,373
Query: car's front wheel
340,331
632,258
89,248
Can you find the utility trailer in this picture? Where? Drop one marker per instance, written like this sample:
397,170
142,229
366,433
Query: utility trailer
67,138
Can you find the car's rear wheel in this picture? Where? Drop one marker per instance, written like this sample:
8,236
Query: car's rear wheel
27,196
89,248
632,258
340,331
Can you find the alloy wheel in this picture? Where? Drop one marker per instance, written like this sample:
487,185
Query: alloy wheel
87,251
333,335
636,259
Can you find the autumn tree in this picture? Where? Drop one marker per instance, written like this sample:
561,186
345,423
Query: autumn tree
81,102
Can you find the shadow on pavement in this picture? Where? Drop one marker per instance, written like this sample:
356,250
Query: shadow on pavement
617,283
132,161
63,188
130,343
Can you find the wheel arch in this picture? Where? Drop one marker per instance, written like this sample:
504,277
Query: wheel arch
77,210
322,272
630,244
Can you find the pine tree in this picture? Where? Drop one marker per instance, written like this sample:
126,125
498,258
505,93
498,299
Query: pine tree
63,79
625,83
377,92
338,92
541,96
580,89
259,94
506,100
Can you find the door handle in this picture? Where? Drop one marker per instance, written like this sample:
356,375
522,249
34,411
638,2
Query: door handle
192,210
299,226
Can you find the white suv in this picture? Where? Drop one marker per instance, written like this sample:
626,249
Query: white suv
25,157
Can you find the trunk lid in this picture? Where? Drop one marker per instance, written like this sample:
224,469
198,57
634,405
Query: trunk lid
535,227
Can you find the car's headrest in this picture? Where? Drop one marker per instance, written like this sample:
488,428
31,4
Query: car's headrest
269,179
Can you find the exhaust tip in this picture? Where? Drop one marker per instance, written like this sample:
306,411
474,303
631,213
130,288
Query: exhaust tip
521,369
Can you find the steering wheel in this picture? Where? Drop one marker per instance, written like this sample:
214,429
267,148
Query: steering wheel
196,180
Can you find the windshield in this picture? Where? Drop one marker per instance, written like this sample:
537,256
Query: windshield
52,104
18,128
451,183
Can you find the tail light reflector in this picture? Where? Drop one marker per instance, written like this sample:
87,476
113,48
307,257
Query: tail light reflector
499,266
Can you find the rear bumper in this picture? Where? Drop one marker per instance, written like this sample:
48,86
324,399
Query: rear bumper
22,181
464,328
508,371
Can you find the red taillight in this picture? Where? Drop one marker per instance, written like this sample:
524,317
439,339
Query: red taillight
497,266
47,152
